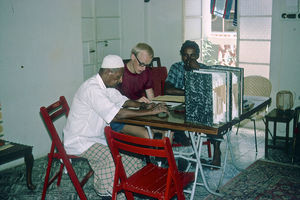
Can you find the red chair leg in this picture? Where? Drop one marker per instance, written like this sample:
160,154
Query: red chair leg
60,173
74,179
208,148
129,195
49,114
47,177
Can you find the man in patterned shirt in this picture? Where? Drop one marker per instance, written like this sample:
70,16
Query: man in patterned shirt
175,82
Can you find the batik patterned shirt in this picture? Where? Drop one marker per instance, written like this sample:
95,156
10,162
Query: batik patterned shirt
176,74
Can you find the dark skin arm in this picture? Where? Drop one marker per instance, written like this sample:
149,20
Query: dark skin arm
146,109
171,90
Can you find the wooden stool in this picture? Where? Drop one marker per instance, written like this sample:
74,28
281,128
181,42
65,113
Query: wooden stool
278,116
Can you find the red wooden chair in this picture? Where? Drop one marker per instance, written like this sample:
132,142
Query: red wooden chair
49,115
151,180
159,75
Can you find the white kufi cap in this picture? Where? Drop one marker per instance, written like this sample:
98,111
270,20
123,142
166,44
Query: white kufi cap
112,61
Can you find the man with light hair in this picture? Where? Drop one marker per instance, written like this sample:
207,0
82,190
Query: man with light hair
95,104
137,81
137,84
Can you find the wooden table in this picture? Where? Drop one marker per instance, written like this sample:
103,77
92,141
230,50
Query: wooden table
278,116
16,151
176,121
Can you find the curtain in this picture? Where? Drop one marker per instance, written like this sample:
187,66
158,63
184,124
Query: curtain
221,8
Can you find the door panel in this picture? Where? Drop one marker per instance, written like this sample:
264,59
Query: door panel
107,47
100,33
106,8
88,29
108,28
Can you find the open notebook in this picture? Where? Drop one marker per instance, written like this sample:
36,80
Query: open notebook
169,98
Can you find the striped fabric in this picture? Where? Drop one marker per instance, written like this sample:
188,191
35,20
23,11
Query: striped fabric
235,13
102,163
221,8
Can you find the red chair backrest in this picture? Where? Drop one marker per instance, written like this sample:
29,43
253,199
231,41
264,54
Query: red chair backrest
50,114
159,75
158,148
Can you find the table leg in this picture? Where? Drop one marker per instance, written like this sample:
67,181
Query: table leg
274,132
29,164
197,152
294,146
287,137
266,138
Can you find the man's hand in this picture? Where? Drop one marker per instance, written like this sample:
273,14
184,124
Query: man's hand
191,64
147,106
144,99
194,64
145,109
161,107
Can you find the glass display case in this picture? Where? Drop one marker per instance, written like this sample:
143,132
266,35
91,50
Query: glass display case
214,95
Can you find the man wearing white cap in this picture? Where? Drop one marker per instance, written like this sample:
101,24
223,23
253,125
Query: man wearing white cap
95,104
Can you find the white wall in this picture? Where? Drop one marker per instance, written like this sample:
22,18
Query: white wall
165,28
45,38
285,54
132,25
285,58
158,23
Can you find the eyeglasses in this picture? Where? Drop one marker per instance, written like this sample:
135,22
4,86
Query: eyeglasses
143,64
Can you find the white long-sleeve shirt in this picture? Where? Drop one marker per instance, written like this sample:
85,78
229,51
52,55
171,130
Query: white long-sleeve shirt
93,108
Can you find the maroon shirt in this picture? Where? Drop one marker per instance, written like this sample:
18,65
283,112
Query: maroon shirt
134,85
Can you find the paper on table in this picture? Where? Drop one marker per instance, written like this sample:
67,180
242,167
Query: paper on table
133,108
168,103
170,98
6,146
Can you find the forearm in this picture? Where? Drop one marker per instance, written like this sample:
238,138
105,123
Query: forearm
171,90
150,93
132,103
145,109
174,91
127,113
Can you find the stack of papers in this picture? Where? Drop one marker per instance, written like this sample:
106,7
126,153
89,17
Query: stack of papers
169,98
6,146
